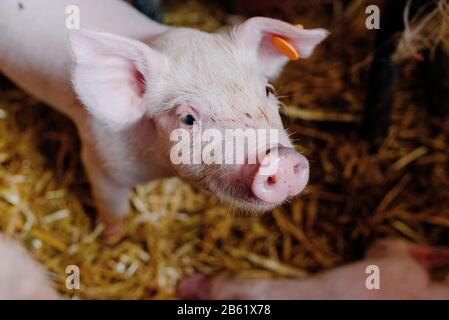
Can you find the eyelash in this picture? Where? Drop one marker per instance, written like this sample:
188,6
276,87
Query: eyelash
269,89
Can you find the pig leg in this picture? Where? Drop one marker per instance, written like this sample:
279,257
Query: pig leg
111,198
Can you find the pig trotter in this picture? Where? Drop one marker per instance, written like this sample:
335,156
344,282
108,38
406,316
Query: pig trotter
114,229
430,257
196,287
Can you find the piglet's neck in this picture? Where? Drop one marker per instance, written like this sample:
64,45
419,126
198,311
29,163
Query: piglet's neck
133,153
144,145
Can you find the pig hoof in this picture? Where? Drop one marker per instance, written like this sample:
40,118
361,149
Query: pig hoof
113,233
111,237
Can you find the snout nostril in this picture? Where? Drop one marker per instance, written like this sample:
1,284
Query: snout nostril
296,168
271,180
290,175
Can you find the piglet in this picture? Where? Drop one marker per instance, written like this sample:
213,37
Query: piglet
403,270
128,83
22,278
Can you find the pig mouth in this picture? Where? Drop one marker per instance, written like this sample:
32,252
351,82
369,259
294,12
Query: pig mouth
235,190
241,199
245,200
250,186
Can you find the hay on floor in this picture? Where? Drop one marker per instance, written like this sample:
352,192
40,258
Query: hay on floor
354,196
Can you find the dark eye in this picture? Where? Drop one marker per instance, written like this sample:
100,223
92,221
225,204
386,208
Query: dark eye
269,89
188,120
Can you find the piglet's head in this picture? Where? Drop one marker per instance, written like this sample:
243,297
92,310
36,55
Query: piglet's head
194,89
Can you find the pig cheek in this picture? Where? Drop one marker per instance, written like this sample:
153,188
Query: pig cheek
166,124
147,134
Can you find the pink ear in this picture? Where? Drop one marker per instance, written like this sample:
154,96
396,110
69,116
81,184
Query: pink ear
110,75
256,33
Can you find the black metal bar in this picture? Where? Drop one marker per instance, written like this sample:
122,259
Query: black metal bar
151,8
383,73
436,73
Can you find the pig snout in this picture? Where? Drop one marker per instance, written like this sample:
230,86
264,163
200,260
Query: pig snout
289,178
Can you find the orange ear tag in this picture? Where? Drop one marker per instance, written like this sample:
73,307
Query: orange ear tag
284,47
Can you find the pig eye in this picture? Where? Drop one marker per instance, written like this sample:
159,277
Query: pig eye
269,89
188,120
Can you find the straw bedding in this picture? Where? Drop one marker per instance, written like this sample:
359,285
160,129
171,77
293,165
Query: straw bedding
355,195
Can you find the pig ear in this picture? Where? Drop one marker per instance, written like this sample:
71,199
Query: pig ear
111,75
256,33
